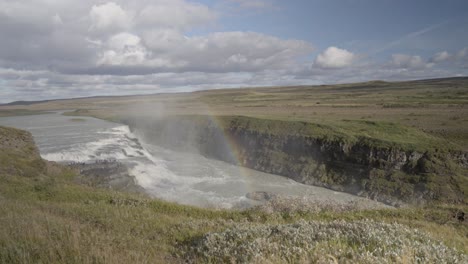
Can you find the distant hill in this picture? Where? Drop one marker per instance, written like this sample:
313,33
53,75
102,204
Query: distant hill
372,82
24,103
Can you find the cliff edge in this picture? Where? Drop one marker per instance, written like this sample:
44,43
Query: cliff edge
392,163
19,154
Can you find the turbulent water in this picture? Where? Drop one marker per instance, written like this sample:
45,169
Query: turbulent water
185,178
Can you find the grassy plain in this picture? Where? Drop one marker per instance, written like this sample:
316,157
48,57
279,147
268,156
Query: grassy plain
438,108
19,112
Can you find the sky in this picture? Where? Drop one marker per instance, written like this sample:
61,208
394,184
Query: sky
53,49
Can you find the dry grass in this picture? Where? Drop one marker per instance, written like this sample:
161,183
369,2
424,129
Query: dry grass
60,222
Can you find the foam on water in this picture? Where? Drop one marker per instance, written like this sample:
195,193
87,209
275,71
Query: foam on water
187,178
152,173
114,145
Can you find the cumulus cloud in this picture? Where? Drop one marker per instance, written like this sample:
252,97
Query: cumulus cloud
408,62
238,51
87,47
108,17
170,51
123,49
441,56
140,37
334,57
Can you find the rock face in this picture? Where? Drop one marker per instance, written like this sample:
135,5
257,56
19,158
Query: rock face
387,174
109,174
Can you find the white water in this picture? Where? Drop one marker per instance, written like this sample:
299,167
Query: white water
185,178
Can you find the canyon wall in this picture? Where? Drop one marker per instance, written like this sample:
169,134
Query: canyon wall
383,172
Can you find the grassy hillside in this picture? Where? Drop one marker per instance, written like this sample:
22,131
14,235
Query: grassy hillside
46,218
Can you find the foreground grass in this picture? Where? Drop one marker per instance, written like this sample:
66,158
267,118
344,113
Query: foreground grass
51,220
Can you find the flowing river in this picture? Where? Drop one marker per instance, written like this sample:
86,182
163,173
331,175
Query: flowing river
186,178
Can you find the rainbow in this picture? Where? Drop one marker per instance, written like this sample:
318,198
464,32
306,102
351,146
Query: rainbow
235,154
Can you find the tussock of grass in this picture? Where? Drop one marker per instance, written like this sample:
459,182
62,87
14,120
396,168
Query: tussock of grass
341,241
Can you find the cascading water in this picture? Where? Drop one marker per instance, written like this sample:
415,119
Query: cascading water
183,177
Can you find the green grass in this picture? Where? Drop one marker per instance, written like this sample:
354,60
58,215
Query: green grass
55,221
20,112
77,119
377,134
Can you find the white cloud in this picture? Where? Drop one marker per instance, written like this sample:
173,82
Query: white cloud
87,47
441,56
240,51
109,17
123,40
408,62
169,50
123,49
334,57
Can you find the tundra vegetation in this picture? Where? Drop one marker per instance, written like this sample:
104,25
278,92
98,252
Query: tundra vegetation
48,214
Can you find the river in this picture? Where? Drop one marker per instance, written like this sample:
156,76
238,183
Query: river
186,178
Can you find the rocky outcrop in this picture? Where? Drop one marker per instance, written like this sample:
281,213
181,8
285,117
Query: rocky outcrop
18,154
110,174
385,173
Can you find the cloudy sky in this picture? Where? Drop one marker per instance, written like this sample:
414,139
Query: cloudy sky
72,48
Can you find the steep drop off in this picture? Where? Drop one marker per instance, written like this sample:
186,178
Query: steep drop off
405,165
19,154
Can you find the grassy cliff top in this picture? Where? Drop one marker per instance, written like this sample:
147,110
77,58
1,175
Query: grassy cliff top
19,154
374,134
378,134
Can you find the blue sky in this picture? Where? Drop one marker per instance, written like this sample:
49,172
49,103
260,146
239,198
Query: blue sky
71,48
361,25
